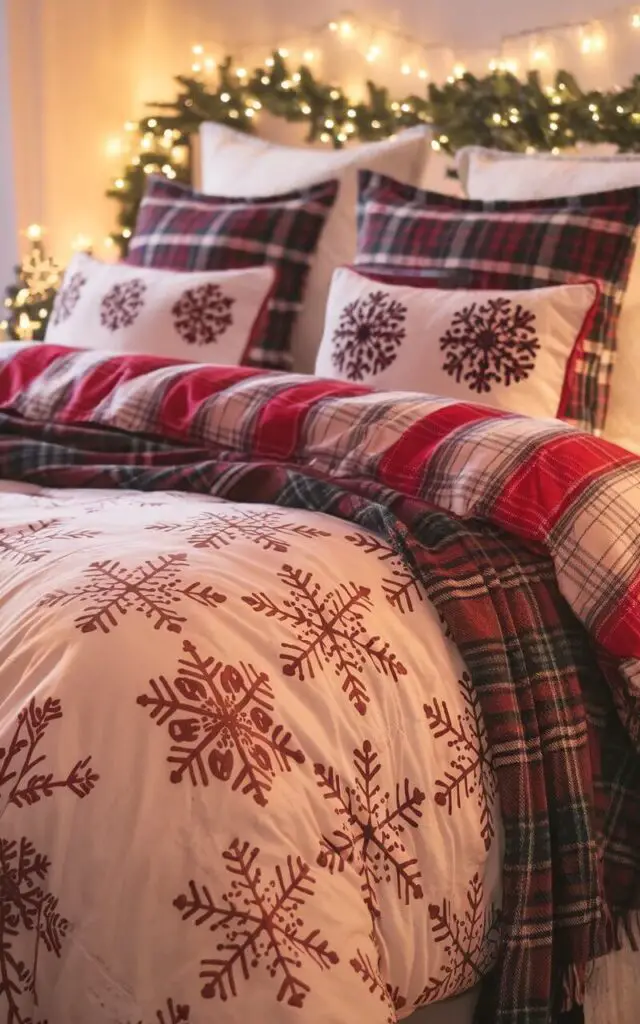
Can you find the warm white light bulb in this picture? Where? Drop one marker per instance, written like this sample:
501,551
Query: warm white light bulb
308,56
406,69
197,50
34,232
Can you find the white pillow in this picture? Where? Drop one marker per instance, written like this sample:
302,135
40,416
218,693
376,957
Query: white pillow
490,174
511,350
234,165
202,317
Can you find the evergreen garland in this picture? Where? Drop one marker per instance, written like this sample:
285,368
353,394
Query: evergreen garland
498,111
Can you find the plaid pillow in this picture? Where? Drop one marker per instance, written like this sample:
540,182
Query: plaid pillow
513,245
179,229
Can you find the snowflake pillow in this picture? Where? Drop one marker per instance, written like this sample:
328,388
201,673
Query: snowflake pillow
201,317
512,350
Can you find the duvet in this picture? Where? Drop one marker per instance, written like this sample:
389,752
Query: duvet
315,705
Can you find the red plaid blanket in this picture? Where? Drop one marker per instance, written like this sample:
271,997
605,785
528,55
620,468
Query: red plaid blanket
526,535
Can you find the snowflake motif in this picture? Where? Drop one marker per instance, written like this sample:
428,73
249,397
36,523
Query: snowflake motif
175,1013
370,836
202,314
25,905
372,978
18,761
122,304
490,343
39,273
471,771
153,588
329,629
211,530
24,544
221,723
261,921
368,335
470,942
68,298
402,589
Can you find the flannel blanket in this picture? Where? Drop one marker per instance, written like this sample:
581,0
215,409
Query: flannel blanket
525,537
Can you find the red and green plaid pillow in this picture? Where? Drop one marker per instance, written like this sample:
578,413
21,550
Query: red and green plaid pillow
513,245
179,229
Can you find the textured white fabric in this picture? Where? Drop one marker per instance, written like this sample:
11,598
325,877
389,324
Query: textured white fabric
201,316
234,164
508,350
489,174
181,676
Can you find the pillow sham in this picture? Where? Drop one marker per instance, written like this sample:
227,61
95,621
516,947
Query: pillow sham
494,175
514,245
513,350
234,164
179,229
201,317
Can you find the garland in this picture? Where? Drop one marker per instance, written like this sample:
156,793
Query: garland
499,111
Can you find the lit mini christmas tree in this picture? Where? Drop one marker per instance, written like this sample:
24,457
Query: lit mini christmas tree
29,299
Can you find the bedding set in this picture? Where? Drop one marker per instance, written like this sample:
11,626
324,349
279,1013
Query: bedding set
320,690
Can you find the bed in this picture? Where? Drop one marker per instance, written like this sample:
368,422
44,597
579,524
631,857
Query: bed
256,748
320,647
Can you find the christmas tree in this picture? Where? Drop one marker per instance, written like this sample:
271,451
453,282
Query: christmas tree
29,299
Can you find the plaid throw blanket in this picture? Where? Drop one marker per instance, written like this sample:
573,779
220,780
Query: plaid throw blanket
493,511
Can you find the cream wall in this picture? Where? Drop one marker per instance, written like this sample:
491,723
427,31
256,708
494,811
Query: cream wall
8,246
80,68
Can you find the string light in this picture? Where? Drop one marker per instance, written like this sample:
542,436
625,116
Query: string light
592,41
165,150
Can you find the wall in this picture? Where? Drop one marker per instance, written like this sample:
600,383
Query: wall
80,69
8,245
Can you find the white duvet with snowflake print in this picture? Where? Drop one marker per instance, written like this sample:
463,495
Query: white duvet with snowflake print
512,350
243,771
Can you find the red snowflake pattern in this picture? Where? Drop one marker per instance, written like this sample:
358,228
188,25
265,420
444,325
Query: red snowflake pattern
152,588
469,940
175,1013
329,629
19,761
67,298
220,719
402,588
368,335
268,529
201,315
24,544
122,304
372,978
490,343
372,827
470,773
25,905
261,921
